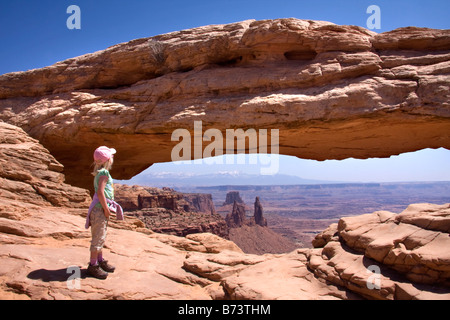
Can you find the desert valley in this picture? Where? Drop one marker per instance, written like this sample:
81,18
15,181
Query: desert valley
293,214
299,212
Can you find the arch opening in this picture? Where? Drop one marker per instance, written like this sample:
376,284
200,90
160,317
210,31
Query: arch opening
305,196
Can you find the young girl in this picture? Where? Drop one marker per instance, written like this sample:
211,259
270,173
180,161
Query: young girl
99,211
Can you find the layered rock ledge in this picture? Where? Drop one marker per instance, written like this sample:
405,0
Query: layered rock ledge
408,250
30,177
333,92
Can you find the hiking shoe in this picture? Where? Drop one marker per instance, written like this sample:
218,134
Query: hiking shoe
106,266
96,272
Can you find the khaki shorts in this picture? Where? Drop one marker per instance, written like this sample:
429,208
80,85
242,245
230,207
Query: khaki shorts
99,224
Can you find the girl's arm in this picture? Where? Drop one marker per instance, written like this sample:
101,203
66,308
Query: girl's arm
101,195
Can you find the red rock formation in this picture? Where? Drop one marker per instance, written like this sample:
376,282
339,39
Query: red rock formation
258,214
236,218
30,176
252,234
170,212
332,91
200,202
404,249
231,197
138,197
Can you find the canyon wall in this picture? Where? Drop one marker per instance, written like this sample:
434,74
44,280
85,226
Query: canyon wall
170,212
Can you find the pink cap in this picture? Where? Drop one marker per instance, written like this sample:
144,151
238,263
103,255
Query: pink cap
103,154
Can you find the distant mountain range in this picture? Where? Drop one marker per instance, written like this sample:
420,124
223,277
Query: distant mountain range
174,179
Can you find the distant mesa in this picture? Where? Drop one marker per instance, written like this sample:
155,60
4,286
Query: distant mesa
233,196
237,218
168,211
252,234
332,91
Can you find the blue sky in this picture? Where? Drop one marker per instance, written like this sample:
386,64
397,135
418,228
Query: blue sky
33,34
424,165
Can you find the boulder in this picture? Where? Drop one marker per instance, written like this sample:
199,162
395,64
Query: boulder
409,262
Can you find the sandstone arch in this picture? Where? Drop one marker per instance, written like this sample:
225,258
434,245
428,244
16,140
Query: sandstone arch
333,92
